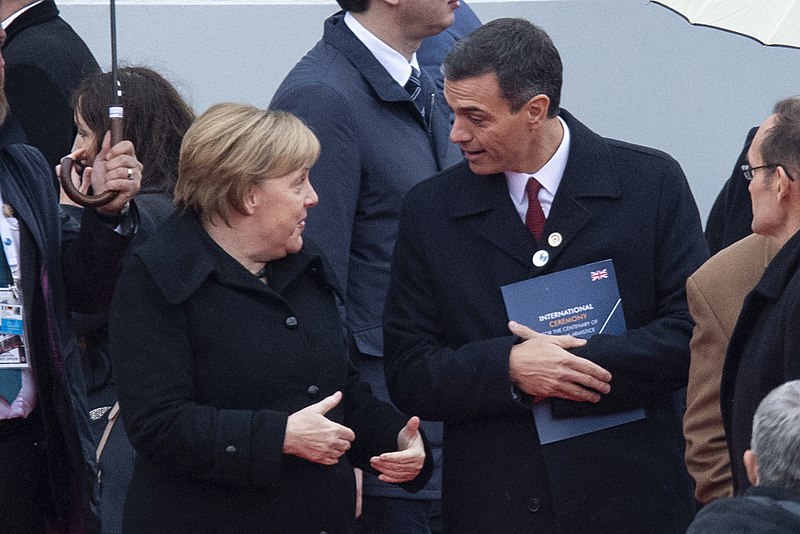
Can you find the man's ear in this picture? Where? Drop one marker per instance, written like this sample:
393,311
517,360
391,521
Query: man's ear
536,108
751,466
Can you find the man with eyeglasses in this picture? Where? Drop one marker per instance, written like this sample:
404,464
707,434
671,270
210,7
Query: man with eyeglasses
764,349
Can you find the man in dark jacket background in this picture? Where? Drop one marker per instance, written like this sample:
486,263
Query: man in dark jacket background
45,62
353,91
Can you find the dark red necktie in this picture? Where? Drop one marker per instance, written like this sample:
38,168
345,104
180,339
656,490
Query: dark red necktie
534,218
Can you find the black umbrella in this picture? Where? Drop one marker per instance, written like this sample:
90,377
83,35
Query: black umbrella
115,115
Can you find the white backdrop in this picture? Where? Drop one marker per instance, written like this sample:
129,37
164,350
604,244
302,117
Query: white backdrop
633,70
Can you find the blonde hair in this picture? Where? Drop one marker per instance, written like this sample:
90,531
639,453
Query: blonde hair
231,147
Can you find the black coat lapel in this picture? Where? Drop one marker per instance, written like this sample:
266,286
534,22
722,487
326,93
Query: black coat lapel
589,174
484,202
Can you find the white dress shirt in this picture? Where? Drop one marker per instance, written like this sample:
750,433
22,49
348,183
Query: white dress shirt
393,61
549,176
10,19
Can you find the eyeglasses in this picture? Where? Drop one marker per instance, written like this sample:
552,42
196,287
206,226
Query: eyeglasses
747,170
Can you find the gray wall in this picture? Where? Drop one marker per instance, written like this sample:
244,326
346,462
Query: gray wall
633,70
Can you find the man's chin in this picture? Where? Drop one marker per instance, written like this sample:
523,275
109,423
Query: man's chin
479,169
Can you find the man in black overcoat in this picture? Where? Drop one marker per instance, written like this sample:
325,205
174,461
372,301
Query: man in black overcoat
45,62
449,353
764,350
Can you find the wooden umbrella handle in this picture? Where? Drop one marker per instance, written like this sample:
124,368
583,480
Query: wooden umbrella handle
66,170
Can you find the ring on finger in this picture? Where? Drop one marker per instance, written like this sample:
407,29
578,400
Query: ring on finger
130,173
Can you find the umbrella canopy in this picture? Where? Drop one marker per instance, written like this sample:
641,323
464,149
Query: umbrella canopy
770,22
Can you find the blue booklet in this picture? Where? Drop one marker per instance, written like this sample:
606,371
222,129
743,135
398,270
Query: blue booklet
580,302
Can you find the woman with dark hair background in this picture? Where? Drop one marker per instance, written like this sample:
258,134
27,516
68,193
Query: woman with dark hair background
156,117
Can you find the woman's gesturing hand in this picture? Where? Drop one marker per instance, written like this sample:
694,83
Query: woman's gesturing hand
314,437
407,462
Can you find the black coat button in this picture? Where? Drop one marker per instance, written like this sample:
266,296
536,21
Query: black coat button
230,450
312,392
291,322
533,505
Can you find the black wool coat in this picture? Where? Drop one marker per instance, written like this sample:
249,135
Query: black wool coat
447,341
762,510
45,62
209,362
764,351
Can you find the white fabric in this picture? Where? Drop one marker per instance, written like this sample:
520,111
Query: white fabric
10,19
772,22
393,61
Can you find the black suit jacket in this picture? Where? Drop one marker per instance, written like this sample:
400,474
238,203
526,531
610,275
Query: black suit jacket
732,213
45,62
447,343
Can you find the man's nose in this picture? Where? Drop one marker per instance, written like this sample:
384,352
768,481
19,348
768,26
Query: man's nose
458,134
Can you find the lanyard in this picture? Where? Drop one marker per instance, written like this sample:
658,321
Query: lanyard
9,234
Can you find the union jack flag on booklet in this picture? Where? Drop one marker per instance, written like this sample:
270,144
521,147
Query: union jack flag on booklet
581,302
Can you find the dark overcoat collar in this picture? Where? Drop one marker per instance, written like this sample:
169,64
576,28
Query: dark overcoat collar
589,174
44,12
183,256
780,270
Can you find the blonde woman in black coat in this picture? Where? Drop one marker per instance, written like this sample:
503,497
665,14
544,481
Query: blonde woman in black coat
229,358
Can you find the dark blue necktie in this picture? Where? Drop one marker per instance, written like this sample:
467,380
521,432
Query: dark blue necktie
414,88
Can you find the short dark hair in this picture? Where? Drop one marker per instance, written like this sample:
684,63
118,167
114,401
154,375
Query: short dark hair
355,6
781,144
520,54
156,117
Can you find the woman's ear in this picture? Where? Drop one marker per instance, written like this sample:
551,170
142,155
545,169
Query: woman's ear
251,199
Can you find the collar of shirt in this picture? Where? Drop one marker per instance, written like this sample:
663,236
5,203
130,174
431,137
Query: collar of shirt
393,61
10,19
549,176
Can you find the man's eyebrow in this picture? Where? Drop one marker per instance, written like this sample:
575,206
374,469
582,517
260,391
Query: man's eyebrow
472,109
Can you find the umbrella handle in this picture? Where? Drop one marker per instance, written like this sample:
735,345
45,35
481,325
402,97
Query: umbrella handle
66,172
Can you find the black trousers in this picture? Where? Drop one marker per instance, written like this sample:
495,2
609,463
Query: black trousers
23,484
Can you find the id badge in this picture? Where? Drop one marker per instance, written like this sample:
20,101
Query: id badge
12,330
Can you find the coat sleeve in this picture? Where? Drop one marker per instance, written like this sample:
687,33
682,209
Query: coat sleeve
336,176
376,425
425,376
707,456
154,372
91,256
